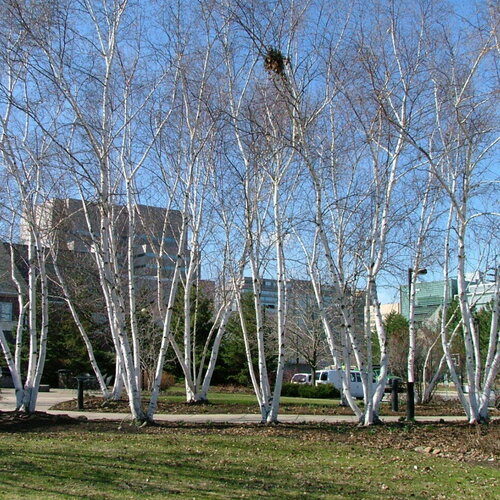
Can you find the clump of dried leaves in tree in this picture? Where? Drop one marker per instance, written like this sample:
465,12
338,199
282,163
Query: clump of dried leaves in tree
274,61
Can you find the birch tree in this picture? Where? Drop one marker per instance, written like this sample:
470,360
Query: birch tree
26,149
394,54
472,140
325,153
25,167
464,113
262,131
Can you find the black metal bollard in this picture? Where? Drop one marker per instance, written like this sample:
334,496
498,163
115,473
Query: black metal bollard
394,394
81,382
410,403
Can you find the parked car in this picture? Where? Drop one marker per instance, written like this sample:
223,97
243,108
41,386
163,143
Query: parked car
302,378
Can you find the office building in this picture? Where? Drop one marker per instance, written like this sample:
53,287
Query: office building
480,292
9,305
69,224
429,297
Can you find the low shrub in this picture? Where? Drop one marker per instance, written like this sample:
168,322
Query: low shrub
290,390
324,391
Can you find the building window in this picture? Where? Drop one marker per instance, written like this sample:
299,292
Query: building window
5,311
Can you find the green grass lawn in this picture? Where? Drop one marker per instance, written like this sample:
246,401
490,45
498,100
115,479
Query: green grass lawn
176,394
248,399
226,462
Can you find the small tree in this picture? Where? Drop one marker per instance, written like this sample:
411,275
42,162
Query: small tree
233,363
396,326
307,339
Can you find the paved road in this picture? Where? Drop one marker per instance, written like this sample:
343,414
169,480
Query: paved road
48,399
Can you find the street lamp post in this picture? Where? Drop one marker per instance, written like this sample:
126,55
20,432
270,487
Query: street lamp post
410,385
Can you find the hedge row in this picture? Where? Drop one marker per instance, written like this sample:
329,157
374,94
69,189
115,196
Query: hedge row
323,391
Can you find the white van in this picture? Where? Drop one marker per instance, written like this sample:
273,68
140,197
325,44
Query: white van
334,377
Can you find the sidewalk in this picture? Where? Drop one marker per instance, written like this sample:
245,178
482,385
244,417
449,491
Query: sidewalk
45,399
248,418
48,399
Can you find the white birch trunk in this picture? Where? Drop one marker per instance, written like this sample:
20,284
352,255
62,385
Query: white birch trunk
32,320
445,342
110,283
191,389
166,333
117,390
203,395
44,327
342,356
411,327
29,394
131,213
282,304
264,386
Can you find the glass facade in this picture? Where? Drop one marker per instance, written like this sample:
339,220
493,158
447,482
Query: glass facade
429,297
